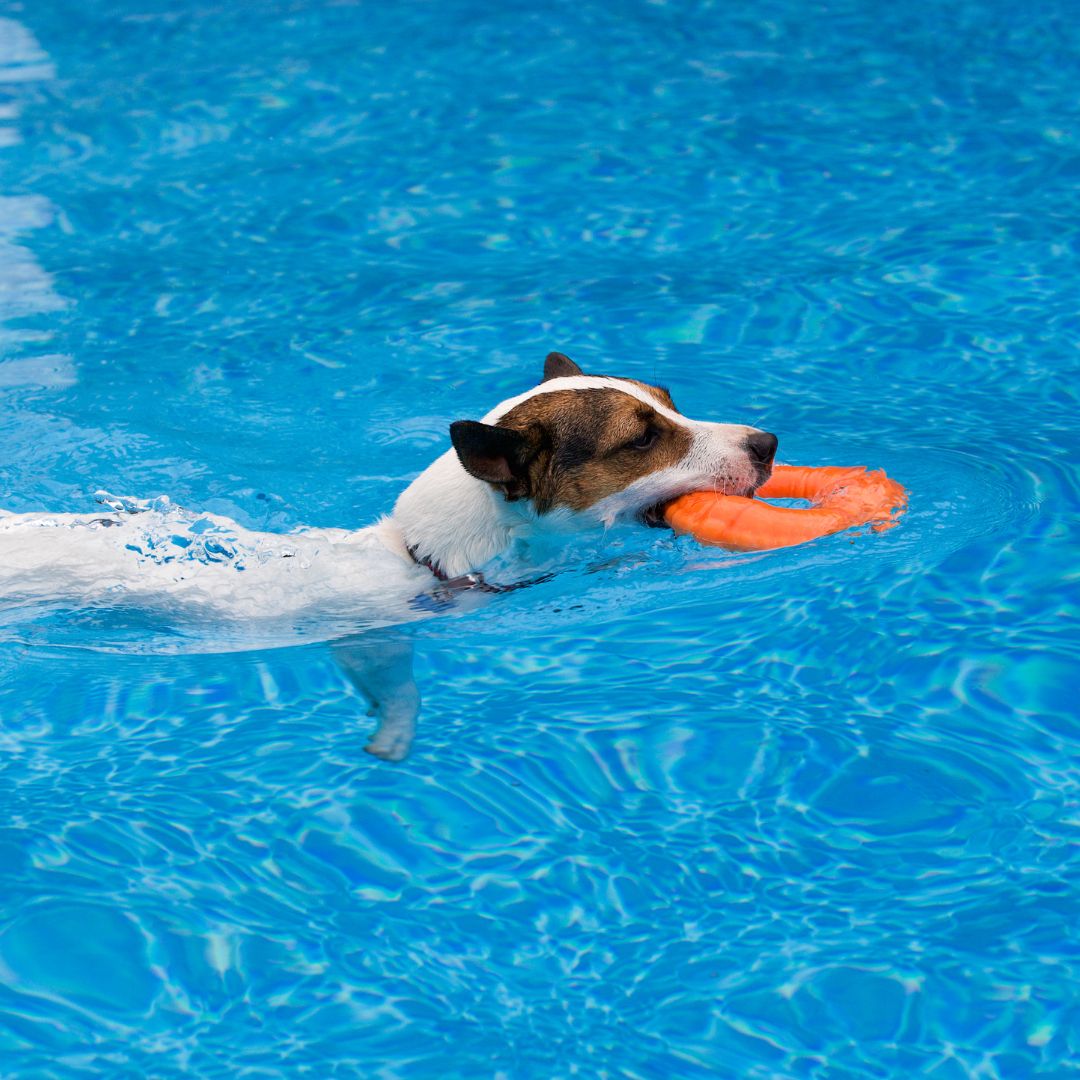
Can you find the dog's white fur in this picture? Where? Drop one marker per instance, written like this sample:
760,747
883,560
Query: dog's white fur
445,517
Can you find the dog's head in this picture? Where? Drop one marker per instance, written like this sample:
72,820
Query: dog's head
611,449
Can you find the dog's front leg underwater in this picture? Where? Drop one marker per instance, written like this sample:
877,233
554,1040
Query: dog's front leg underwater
380,666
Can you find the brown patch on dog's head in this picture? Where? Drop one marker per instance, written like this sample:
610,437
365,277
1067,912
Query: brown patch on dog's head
572,448
658,392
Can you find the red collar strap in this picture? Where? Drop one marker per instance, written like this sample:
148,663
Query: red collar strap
464,582
457,584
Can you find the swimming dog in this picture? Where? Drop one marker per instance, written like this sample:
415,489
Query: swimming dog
574,453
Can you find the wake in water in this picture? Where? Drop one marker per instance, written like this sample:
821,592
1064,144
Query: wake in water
156,555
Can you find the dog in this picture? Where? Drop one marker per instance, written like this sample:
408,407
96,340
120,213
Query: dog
575,453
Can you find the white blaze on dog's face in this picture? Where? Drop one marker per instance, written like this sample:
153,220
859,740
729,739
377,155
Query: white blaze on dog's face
610,449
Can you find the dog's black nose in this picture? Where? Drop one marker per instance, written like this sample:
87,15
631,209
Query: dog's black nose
761,446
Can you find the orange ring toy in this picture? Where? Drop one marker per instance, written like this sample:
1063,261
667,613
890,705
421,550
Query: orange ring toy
841,498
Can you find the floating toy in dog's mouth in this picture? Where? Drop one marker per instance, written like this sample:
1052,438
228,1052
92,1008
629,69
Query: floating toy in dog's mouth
655,516
840,498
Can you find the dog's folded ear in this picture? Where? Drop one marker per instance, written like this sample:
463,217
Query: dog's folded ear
558,366
497,455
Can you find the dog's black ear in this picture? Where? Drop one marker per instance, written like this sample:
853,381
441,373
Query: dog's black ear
559,366
496,455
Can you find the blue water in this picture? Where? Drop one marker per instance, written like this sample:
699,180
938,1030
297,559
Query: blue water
810,813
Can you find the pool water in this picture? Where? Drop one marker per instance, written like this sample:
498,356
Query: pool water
675,813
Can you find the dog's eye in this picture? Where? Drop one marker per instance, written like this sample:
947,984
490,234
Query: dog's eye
644,440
